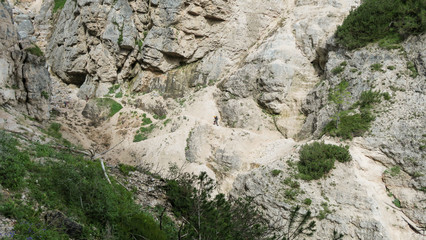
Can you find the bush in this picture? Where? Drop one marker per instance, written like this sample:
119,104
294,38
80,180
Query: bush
376,67
208,217
389,20
275,172
126,169
59,4
350,125
53,130
413,70
317,159
368,98
79,188
337,70
13,163
35,50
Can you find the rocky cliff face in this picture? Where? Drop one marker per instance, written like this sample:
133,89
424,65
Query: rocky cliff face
24,79
266,69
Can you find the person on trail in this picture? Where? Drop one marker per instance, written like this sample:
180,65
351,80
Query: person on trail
215,121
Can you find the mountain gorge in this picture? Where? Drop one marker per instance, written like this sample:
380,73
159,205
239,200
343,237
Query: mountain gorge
137,83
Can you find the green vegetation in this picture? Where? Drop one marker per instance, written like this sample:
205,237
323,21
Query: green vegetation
317,159
45,95
53,130
35,50
393,171
71,184
324,212
59,4
386,96
167,121
275,172
340,68
391,67
108,102
297,225
207,217
162,117
413,70
377,67
307,201
113,88
292,190
13,163
387,21
350,124
145,120
119,95
126,169
397,202
143,132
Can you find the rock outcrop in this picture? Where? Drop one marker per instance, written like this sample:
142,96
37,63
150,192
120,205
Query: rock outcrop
24,79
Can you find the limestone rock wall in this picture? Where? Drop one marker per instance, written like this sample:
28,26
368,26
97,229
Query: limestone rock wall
24,79
398,130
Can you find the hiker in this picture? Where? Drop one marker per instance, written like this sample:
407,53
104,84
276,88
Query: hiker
215,121
65,103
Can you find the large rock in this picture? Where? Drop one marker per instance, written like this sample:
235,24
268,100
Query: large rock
58,220
24,79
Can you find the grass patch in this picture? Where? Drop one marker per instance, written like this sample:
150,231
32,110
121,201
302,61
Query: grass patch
54,130
35,50
387,21
377,67
162,117
126,169
413,70
59,4
275,172
317,159
143,132
108,102
145,120
45,95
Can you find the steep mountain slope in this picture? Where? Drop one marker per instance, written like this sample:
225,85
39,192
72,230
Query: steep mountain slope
266,69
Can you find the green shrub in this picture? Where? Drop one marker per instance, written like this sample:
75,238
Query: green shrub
45,95
207,217
307,201
317,159
108,102
143,132
13,162
413,70
350,125
386,96
119,95
391,67
376,67
337,70
388,20
275,172
126,169
113,88
35,50
59,4
79,188
368,98
53,130
397,202
145,120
